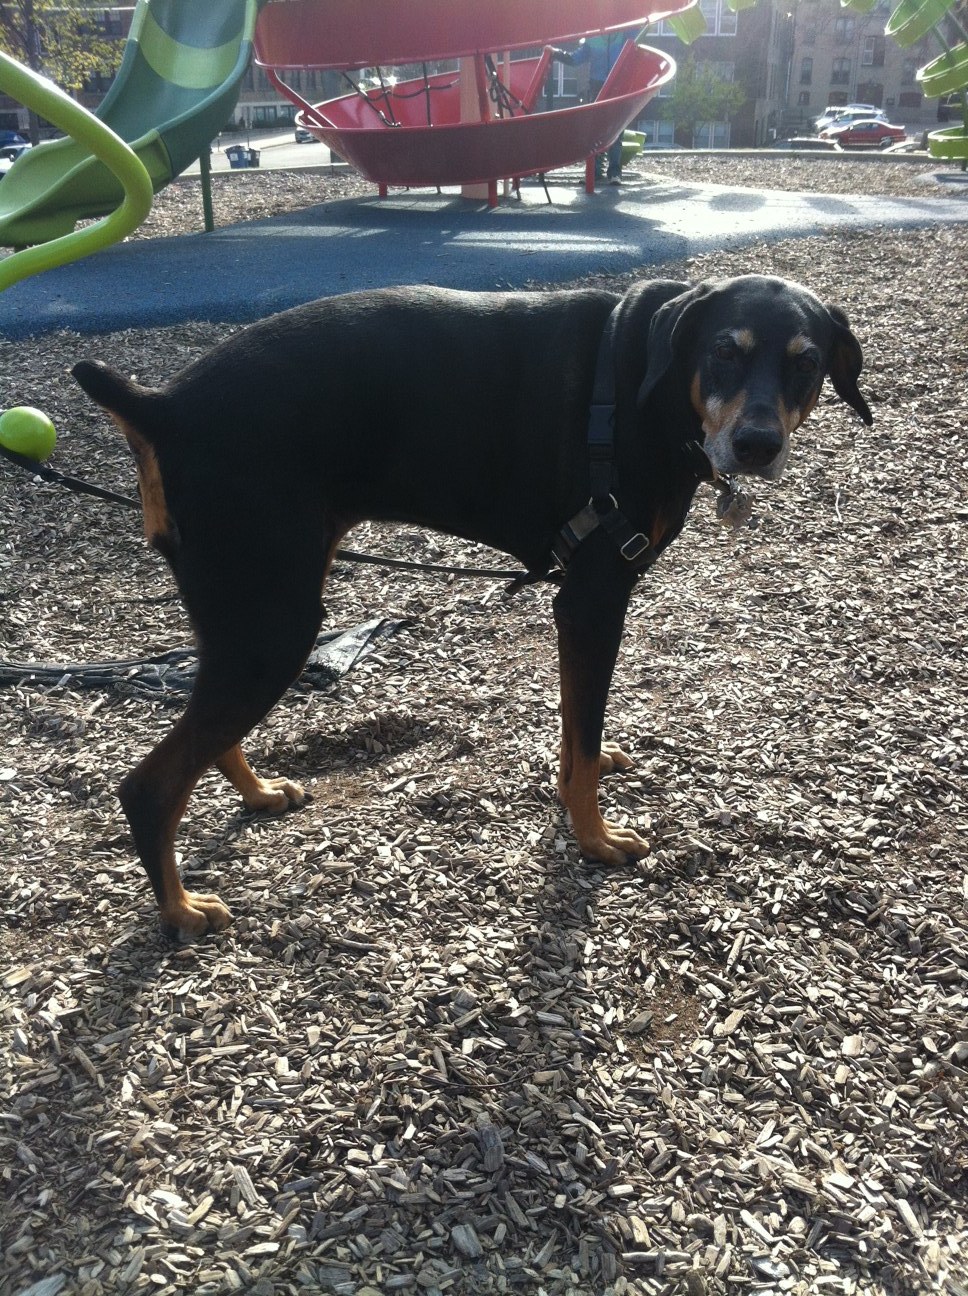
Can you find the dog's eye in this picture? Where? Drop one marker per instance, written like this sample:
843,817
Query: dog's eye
807,364
726,351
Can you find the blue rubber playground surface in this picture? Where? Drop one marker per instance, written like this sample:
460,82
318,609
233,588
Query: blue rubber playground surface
244,272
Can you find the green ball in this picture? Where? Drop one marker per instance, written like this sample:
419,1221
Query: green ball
28,431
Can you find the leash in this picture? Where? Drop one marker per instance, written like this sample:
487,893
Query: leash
61,479
518,579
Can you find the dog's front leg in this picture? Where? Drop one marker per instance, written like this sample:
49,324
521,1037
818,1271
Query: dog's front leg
589,615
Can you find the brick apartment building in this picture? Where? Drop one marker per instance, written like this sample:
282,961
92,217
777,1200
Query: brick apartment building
793,61
752,48
840,56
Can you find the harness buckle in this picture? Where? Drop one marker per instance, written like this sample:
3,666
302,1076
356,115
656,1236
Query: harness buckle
633,548
601,428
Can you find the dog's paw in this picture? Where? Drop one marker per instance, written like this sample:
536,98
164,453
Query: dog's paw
274,796
195,915
614,845
612,757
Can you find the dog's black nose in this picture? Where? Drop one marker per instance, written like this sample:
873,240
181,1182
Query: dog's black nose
755,447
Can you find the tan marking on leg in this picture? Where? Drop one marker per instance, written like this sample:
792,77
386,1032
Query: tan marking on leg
578,777
612,757
191,913
597,838
154,797
274,795
159,528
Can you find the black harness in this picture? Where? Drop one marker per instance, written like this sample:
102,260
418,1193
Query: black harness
602,509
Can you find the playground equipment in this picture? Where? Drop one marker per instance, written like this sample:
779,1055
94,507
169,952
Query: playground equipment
385,134
474,126
131,181
26,433
346,33
177,86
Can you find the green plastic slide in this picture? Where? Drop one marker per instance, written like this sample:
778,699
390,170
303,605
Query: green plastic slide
176,88
45,98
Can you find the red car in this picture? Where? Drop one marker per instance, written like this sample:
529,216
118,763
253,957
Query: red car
868,133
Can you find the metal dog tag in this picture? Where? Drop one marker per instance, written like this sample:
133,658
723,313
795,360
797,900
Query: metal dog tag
734,508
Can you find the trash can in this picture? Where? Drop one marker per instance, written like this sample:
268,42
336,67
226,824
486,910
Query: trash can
240,156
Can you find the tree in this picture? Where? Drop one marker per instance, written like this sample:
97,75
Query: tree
61,38
700,95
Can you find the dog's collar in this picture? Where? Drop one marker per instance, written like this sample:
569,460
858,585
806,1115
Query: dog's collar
700,463
602,509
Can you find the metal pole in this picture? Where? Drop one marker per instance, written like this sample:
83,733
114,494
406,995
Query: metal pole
205,171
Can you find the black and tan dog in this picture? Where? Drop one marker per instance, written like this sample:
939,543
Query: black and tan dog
569,423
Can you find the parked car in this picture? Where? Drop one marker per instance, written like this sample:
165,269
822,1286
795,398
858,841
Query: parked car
12,151
847,116
872,133
304,136
8,138
833,111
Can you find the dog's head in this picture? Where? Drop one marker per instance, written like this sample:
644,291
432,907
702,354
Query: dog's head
754,352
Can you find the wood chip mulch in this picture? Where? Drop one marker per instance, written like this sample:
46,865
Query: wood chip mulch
437,1052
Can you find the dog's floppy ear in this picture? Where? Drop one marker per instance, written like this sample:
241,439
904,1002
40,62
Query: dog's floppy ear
846,362
670,326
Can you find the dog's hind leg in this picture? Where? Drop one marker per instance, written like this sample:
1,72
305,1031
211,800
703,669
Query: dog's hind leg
589,616
243,671
273,795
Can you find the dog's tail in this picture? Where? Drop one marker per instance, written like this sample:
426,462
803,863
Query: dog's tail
128,401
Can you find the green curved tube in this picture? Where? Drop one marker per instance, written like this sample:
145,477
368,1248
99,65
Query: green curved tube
49,101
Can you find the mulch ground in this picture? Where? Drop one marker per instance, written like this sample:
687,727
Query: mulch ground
437,1051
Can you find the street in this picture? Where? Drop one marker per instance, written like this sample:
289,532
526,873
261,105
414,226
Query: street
277,150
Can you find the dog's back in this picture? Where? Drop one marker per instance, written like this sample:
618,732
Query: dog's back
423,405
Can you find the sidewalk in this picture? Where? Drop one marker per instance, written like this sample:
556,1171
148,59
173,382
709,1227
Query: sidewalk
243,272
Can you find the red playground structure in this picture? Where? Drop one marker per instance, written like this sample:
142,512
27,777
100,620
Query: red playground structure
474,125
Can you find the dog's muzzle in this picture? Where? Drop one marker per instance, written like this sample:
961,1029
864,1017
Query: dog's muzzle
756,447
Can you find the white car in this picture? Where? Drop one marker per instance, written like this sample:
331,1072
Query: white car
843,116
